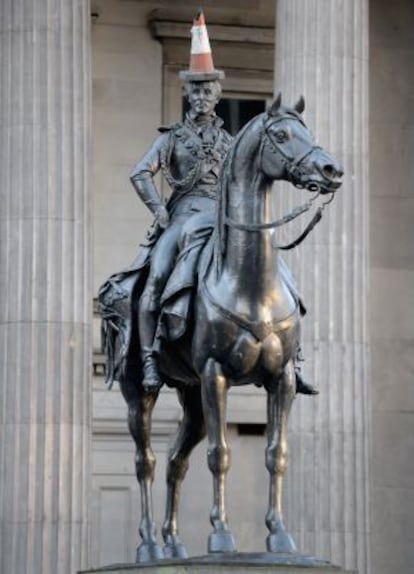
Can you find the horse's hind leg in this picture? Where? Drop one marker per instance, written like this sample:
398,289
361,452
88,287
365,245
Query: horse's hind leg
190,433
214,394
140,407
279,402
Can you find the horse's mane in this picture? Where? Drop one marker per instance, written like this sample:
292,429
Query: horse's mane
226,177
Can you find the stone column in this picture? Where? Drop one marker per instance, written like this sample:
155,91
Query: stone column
45,295
322,52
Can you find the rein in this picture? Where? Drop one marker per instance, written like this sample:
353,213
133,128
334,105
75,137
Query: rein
315,219
278,223
292,166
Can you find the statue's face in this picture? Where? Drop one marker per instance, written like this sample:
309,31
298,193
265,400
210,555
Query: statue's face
203,97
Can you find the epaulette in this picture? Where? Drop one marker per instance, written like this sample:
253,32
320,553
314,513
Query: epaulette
163,129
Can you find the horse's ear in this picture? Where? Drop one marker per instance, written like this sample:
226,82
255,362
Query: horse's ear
274,108
300,105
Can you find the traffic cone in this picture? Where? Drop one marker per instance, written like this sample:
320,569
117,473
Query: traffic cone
201,60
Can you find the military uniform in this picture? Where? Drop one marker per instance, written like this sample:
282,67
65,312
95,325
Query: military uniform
190,156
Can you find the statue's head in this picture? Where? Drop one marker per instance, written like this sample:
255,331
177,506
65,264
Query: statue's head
202,86
202,96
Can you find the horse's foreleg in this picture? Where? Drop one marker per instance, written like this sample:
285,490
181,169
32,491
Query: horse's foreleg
190,433
214,396
139,420
279,402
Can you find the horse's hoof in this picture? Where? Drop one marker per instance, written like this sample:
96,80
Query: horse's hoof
175,550
221,541
281,542
149,552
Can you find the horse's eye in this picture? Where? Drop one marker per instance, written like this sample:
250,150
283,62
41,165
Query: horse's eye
281,136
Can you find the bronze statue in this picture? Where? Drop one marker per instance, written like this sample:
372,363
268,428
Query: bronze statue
190,156
202,320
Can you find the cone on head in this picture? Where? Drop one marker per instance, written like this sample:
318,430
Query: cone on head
201,60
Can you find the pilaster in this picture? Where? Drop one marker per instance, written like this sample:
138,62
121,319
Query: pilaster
45,314
322,52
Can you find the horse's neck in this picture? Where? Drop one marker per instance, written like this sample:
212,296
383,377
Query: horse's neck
249,255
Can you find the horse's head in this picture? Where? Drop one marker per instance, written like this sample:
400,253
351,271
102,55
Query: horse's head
289,151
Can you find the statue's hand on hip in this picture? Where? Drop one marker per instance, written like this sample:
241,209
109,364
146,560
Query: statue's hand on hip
161,217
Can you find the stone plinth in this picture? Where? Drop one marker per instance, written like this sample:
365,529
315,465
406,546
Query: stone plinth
240,563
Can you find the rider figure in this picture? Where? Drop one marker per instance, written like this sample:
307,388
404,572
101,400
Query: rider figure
190,155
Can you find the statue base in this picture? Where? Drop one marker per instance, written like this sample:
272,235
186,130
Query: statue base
232,563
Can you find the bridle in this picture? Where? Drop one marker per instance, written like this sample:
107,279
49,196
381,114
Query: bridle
291,164
293,169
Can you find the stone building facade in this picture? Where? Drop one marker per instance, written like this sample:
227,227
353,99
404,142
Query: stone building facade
83,88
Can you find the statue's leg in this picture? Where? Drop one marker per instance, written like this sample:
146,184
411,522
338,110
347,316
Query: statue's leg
162,261
279,401
214,395
302,386
190,433
140,409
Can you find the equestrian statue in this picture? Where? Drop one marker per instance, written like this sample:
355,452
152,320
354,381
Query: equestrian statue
209,303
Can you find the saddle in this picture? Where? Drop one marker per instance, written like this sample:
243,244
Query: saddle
119,299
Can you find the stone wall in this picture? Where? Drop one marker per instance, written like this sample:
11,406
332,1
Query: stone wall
127,75
392,284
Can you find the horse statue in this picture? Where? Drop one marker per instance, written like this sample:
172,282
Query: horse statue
242,329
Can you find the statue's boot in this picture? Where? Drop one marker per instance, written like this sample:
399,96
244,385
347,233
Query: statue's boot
152,380
303,387
148,320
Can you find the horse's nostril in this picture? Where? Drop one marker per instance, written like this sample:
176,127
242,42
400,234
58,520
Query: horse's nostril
329,170
332,171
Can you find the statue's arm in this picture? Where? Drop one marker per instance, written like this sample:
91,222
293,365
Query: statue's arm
142,179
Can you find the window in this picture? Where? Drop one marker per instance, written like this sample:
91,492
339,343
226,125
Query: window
234,112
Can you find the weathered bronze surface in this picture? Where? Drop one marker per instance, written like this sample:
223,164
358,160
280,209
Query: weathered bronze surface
190,155
202,311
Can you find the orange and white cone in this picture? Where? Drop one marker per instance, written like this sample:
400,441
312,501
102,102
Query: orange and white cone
201,60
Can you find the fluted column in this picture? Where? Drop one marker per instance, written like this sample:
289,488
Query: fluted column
322,52
45,290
